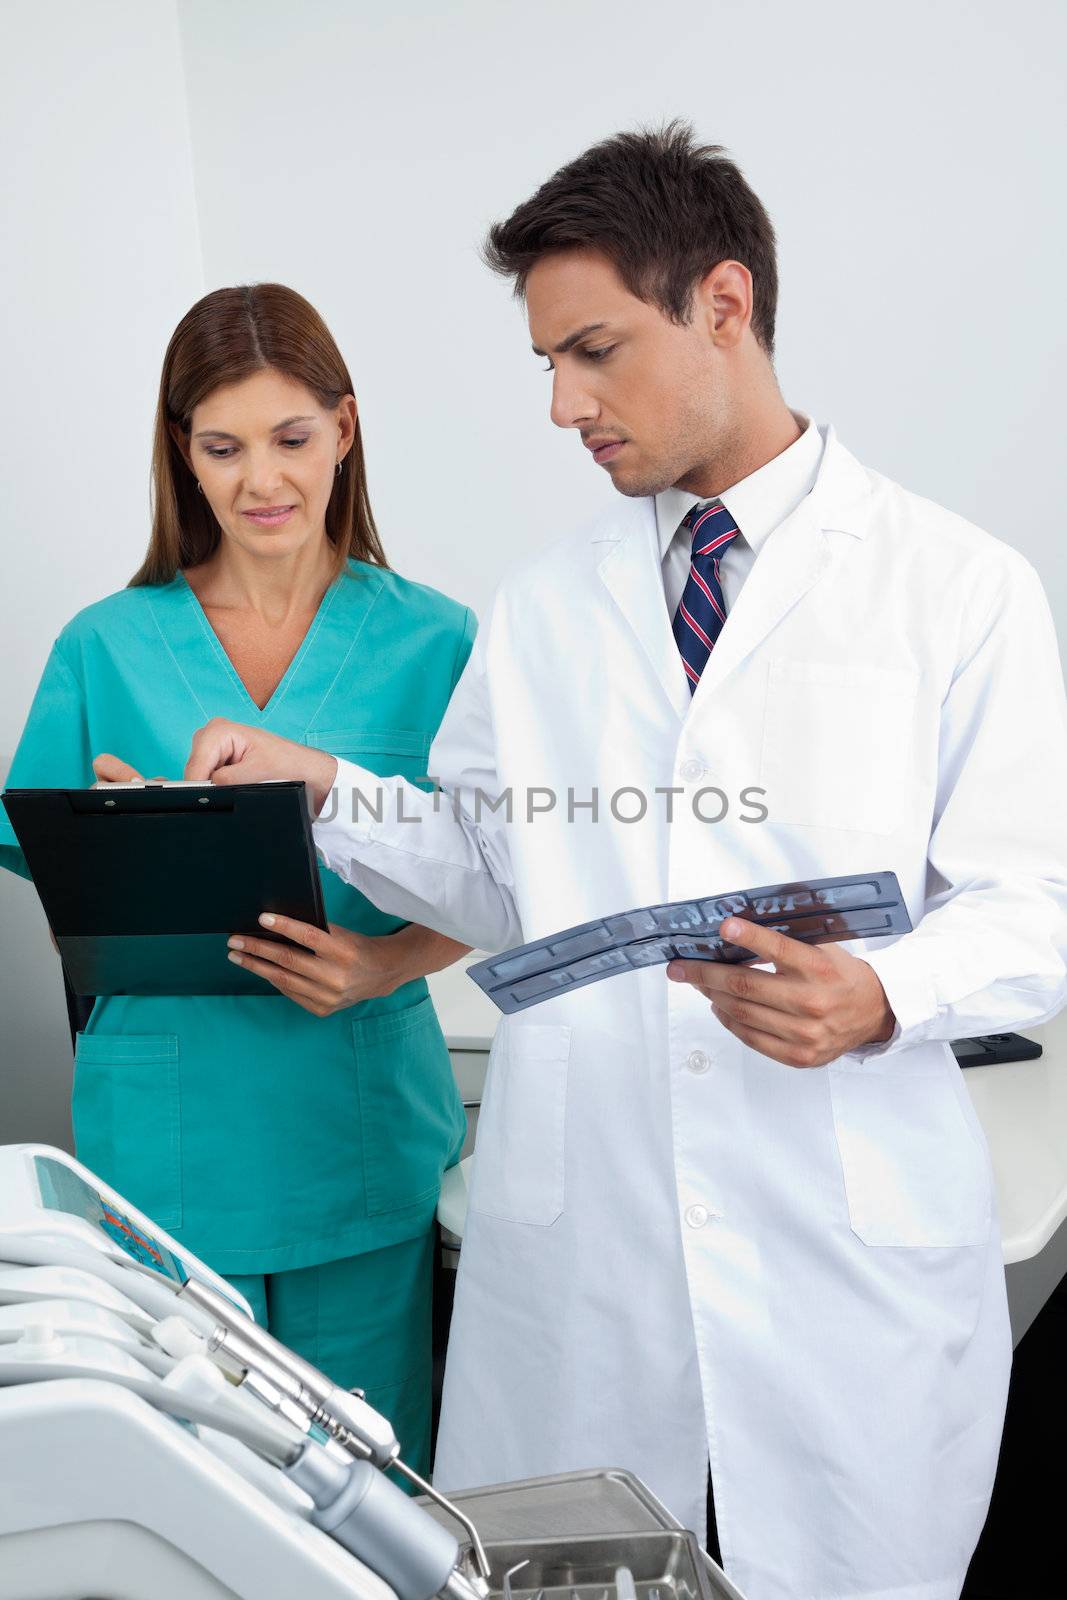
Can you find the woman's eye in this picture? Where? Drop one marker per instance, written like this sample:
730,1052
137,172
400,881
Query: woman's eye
219,452
294,444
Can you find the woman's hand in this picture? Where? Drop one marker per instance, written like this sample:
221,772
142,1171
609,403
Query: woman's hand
109,769
325,972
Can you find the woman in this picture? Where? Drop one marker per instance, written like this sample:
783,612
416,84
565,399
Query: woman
295,1138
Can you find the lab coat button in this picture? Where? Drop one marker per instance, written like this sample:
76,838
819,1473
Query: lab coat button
696,1216
691,770
697,1061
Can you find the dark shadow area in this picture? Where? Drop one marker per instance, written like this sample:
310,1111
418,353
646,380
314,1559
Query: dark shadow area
1020,1555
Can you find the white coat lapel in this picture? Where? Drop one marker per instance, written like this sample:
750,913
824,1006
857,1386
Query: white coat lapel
632,572
796,556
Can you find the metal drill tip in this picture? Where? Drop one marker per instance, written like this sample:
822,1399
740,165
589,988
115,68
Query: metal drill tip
510,1574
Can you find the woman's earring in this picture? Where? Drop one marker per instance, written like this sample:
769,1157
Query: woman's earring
338,469
200,486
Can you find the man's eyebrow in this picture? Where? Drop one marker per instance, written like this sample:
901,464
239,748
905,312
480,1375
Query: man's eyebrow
217,433
572,339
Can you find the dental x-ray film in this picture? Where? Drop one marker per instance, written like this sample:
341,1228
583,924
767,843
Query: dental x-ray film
822,911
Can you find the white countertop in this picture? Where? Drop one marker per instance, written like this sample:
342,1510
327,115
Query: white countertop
1023,1109
467,1015
1022,1106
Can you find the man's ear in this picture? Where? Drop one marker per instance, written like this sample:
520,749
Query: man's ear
723,298
182,441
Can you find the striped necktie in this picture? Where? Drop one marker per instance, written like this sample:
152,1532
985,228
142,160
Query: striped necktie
702,610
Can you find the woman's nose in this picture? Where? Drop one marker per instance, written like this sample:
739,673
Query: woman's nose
263,473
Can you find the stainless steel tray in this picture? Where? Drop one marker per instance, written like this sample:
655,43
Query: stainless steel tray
570,1505
664,1564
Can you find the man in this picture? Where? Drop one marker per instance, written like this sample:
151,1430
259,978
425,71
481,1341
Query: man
757,1232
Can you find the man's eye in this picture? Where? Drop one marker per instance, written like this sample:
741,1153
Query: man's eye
599,353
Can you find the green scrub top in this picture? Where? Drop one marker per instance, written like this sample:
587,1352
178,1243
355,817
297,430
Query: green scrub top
263,1137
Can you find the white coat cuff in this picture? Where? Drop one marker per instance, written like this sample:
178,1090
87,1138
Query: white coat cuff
903,971
345,826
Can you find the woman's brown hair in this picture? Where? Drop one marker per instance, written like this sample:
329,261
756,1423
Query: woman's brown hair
225,337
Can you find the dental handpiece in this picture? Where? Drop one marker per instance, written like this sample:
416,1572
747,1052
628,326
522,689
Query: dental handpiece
299,1389
345,1416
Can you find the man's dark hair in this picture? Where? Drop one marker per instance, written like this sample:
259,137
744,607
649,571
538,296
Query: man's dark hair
662,208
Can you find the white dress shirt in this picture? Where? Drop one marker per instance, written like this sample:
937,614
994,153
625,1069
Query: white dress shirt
757,504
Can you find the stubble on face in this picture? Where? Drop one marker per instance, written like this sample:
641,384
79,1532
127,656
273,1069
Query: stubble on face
624,370
688,435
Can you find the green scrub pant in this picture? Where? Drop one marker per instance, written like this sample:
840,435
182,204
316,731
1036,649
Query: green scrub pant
367,1323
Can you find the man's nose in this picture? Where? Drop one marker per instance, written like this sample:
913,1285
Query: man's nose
571,406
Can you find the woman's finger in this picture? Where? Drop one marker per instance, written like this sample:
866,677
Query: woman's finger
109,769
301,932
293,984
285,957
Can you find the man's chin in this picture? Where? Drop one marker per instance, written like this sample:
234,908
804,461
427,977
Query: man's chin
638,488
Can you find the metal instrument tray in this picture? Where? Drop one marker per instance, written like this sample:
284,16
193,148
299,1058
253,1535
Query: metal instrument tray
664,1565
566,1507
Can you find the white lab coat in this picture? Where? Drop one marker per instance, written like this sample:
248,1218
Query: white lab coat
678,1248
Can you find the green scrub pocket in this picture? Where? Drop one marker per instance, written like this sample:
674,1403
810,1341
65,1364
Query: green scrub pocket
127,1118
412,1117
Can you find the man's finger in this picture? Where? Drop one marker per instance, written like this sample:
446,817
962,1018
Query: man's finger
217,744
769,944
777,1024
226,776
740,981
790,1055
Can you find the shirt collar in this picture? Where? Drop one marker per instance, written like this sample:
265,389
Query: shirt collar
759,502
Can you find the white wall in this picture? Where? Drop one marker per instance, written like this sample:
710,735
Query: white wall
911,157
101,259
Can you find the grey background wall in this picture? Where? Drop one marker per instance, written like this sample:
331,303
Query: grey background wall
101,255
911,157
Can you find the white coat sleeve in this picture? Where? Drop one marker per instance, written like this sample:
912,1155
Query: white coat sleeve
990,952
440,859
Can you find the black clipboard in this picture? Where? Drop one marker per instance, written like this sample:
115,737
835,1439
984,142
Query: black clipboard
142,885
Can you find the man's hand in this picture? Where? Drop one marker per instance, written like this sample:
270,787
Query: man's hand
817,1004
228,752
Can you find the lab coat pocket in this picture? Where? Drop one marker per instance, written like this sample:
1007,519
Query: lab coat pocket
838,741
915,1173
127,1118
411,1116
518,1165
